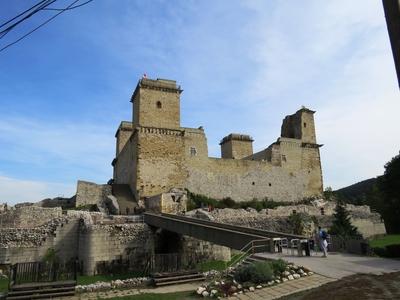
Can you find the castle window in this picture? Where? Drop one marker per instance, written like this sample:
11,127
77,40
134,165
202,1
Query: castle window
322,211
193,151
159,105
305,124
284,158
253,183
270,184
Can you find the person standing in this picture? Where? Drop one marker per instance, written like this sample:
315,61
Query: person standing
323,243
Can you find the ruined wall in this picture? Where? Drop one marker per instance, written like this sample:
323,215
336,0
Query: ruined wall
104,243
31,244
91,193
28,216
204,250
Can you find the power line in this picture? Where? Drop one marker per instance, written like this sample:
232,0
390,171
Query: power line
41,25
21,14
69,7
41,6
76,6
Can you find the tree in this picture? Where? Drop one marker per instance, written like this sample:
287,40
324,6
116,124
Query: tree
389,187
341,223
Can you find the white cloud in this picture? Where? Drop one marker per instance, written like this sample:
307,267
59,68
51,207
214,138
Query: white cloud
13,190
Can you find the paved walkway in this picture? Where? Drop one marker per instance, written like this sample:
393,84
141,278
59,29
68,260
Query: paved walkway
339,265
285,288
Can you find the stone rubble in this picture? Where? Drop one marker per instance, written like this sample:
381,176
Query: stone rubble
213,289
114,284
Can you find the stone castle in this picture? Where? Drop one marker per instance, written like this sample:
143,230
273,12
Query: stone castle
155,154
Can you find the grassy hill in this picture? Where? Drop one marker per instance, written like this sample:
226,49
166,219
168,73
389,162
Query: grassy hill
356,193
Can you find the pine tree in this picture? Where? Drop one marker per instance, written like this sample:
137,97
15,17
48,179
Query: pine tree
341,225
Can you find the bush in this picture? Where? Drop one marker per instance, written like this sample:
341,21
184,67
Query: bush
391,251
257,273
278,266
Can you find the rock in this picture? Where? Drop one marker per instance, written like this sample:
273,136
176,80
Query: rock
303,274
290,277
259,287
213,292
240,292
234,294
284,279
239,286
270,283
205,294
233,289
251,289
200,290
286,273
310,273
277,281
296,276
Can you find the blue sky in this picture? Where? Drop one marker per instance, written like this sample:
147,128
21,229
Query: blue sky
243,66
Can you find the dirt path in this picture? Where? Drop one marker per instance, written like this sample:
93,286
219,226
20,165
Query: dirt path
359,286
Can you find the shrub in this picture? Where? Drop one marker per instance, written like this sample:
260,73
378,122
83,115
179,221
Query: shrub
391,251
278,266
257,273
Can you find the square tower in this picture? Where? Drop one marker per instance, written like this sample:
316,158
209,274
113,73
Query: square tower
236,146
300,126
156,103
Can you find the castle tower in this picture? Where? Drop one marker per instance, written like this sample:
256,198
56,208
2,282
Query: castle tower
300,126
236,146
156,103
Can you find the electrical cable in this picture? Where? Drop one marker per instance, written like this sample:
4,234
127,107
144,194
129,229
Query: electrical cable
73,7
41,25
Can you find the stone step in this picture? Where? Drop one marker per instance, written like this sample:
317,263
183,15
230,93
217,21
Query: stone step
41,291
179,281
172,278
41,296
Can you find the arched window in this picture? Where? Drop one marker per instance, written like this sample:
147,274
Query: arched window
159,105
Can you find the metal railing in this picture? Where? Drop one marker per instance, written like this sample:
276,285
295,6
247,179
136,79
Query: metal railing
251,247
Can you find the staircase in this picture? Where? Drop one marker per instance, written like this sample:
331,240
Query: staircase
42,290
245,262
161,279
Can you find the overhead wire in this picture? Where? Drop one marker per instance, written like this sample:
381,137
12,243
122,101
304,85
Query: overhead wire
43,6
73,7
21,14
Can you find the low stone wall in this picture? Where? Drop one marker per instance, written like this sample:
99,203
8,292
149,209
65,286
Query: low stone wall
368,224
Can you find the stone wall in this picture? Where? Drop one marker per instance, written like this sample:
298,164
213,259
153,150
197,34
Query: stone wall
204,250
90,193
171,203
31,244
245,180
368,224
101,244
28,216
160,164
